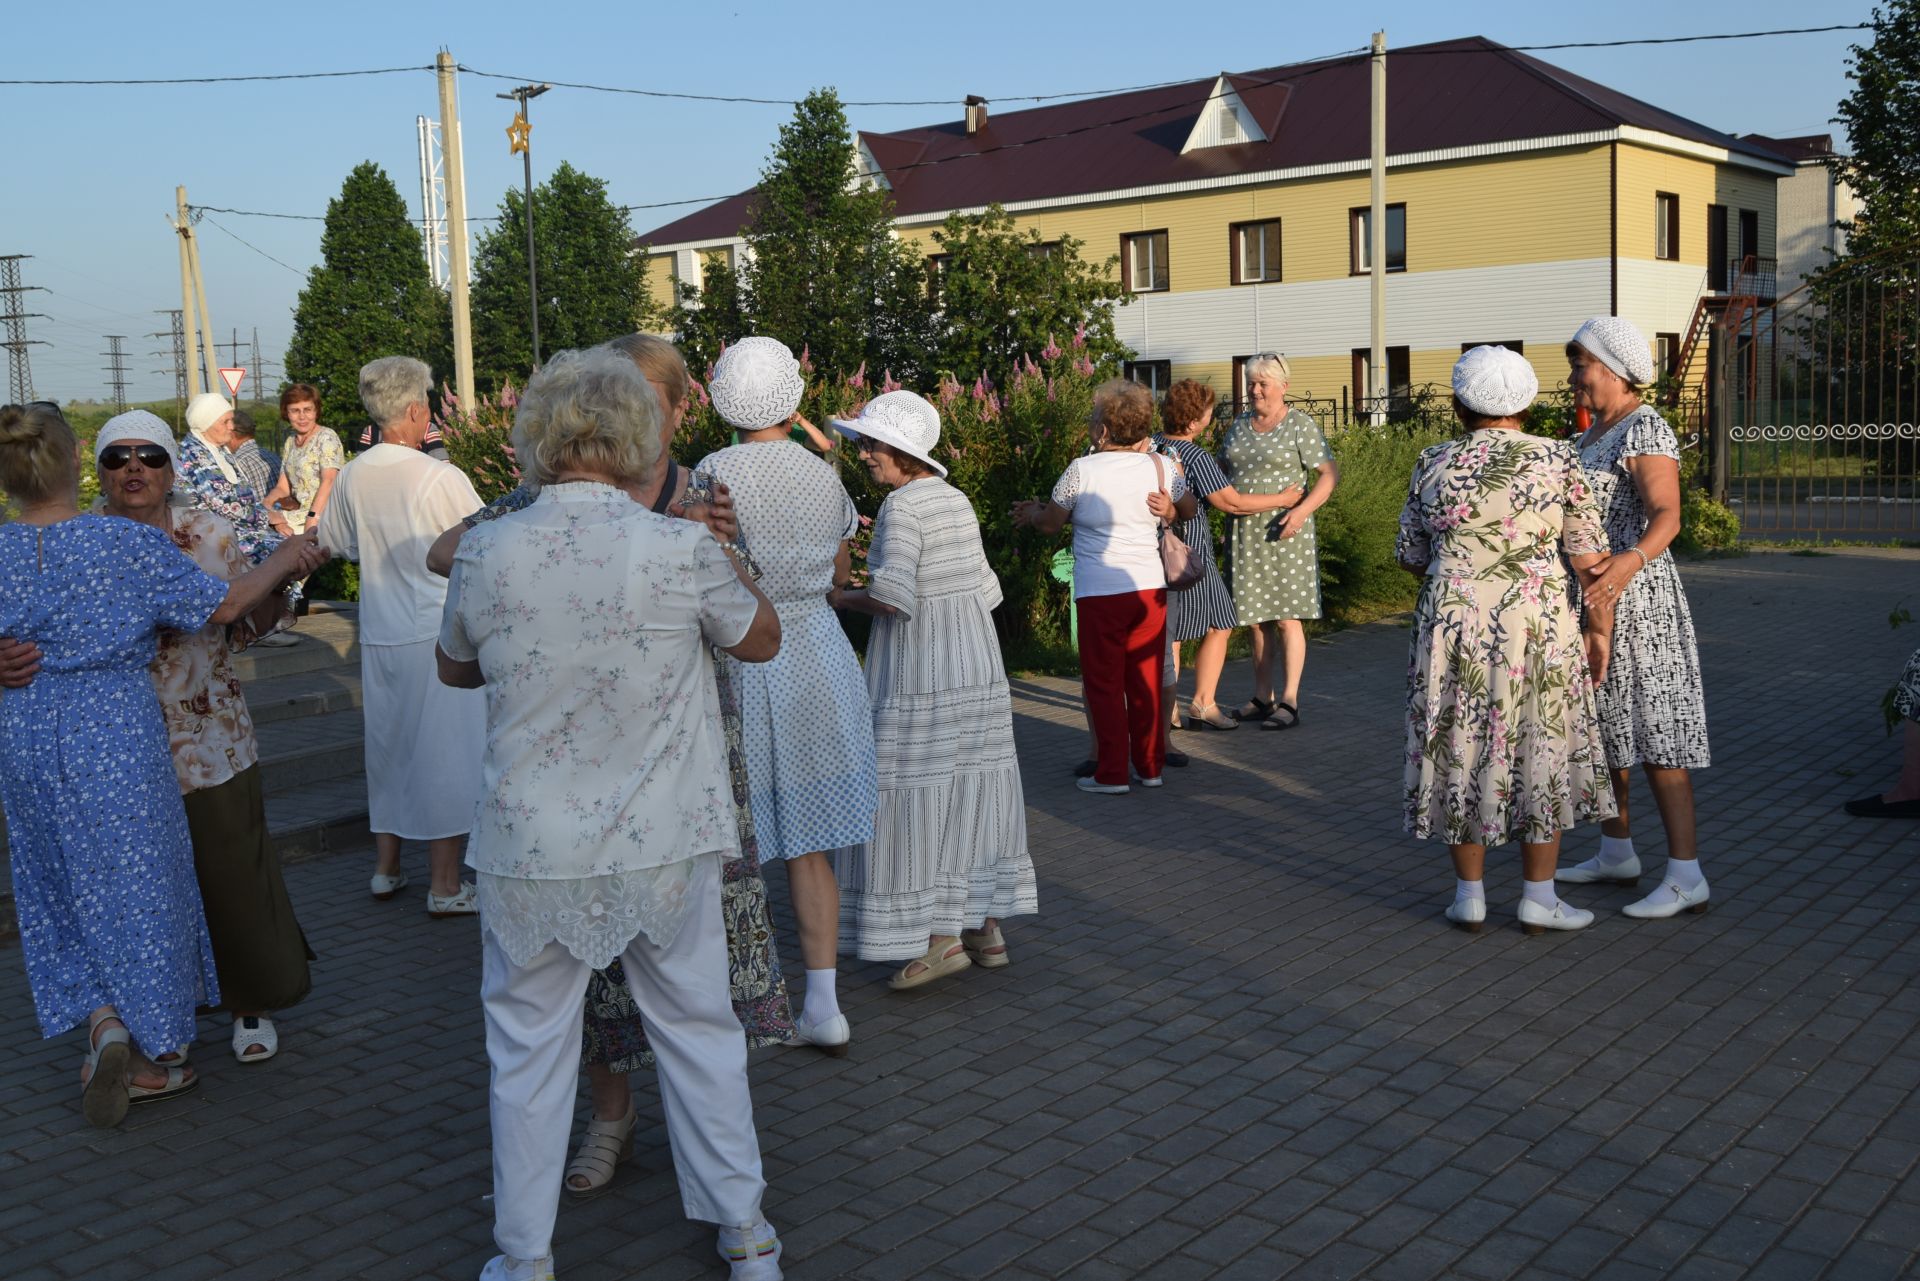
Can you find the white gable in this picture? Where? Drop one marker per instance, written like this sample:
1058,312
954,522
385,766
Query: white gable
866,169
1224,121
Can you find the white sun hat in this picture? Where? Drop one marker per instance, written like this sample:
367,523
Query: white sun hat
756,383
901,419
1495,381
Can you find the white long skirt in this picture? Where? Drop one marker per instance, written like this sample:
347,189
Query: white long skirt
424,742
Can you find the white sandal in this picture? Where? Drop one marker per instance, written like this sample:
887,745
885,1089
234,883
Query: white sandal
254,1030
103,1097
602,1148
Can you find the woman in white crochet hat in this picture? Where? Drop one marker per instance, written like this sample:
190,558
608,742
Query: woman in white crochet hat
1502,739
949,857
806,727
1653,707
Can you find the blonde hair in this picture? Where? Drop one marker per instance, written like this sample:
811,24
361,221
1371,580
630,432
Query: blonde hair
659,360
1268,364
589,411
37,453
1125,409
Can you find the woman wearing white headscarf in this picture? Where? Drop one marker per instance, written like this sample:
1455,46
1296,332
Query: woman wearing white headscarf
209,473
806,725
1502,742
1653,707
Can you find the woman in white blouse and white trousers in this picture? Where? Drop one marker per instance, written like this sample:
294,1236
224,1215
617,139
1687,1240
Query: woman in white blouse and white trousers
606,807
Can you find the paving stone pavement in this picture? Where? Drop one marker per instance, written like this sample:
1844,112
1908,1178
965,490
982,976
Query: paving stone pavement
1239,1041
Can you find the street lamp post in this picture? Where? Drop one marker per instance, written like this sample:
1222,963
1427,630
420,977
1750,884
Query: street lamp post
520,134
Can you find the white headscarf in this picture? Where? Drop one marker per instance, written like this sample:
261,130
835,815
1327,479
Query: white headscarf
136,424
203,411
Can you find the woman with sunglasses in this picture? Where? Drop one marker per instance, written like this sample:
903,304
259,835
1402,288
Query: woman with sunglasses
110,915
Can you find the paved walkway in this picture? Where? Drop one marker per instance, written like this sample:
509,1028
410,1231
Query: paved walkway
1239,1042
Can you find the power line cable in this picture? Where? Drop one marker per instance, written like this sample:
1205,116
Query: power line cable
257,249
216,80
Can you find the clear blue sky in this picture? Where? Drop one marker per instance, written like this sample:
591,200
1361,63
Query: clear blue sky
92,170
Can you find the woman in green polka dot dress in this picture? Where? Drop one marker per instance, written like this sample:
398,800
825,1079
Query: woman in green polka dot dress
1273,564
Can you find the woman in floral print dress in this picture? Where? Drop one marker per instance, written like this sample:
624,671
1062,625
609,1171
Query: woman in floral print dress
1502,738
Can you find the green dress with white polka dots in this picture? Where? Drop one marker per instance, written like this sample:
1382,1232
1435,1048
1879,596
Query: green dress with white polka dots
1272,577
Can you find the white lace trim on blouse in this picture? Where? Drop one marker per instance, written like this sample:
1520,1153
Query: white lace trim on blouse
593,917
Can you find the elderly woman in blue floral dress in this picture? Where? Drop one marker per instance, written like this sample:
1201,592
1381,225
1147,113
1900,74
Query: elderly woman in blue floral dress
110,914
1502,738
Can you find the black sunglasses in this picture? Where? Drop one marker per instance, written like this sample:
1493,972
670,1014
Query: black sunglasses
152,457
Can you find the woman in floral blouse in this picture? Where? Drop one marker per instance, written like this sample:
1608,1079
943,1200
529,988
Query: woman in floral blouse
1502,738
606,809
258,947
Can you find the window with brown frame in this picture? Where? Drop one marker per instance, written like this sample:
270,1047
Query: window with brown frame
1666,226
1143,262
1360,242
936,273
1399,381
1155,375
1666,350
1044,249
1513,345
1717,248
1255,247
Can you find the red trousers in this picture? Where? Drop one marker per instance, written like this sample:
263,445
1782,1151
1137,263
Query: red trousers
1122,641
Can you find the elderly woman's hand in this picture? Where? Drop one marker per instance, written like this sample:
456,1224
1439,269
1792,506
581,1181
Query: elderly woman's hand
19,660
1599,647
1160,505
1291,522
1025,510
1606,579
717,513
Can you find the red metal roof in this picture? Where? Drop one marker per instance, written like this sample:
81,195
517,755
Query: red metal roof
1454,93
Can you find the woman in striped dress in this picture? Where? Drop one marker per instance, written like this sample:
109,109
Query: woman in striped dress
1204,612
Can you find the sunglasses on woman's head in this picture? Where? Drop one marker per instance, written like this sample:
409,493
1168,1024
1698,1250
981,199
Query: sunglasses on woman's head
152,457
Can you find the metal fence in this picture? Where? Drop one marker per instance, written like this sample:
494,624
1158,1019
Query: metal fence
1816,423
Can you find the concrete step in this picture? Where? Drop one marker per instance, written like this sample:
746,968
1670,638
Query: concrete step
310,749
303,694
323,642
320,817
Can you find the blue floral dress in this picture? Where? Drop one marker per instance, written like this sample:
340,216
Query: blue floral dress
102,867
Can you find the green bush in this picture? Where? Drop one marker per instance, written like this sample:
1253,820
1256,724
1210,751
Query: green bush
1704,524
1359,575
335,580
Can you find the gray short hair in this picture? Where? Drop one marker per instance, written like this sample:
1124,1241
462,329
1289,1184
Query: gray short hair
1268,364
589,410
392,383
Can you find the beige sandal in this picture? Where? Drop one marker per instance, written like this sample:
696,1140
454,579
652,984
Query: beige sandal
986,948
103,1095
941,960
602,1148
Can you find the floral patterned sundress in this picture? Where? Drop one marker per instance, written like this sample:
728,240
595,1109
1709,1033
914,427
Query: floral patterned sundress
1503,741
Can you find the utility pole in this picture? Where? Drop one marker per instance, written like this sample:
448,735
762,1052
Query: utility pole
200,375
520,135
19,369
178,333
259,388
458,264
1377,234
117,370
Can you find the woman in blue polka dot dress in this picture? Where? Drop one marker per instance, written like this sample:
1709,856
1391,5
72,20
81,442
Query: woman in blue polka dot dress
109,909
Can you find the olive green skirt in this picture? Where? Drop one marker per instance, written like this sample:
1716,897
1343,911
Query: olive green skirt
258,947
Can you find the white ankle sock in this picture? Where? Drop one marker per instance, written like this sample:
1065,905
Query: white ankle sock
1540,892
1686,873
1615,850
821,1004
1468,889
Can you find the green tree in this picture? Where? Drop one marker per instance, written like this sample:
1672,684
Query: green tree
709,315
1005,294
825,271
1882,116
592,285
370,296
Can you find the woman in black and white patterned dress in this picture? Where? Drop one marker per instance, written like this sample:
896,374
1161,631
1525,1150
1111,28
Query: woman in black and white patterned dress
1652,705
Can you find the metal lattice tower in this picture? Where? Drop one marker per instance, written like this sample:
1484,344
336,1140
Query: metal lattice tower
19,371
116,355
179,353
433,202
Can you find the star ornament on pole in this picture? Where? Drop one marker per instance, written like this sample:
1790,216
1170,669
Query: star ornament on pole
519,135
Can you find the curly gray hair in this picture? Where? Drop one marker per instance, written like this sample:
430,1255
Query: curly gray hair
590,411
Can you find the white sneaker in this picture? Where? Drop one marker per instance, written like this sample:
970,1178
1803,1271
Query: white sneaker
1104,789
1155,781
384,887
1535,919
1668,900
752,1252
1468,913
504,1267
1592,870
278,640
832,1035
461,902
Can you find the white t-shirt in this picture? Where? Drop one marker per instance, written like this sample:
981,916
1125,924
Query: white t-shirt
387,507
1116,540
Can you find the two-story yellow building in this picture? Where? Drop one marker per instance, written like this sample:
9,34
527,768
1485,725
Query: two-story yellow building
1521,199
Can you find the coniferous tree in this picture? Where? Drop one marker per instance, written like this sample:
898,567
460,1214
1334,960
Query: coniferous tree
709,316
1882,116
593,285
371,296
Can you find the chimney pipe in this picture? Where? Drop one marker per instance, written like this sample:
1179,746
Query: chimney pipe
976,114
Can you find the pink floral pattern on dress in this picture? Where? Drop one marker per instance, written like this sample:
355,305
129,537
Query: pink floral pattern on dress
208,727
